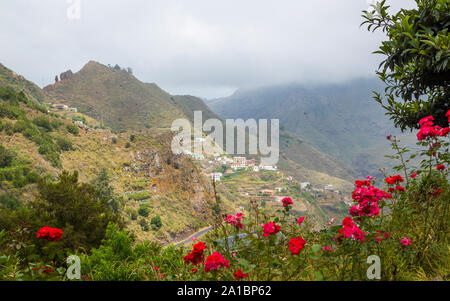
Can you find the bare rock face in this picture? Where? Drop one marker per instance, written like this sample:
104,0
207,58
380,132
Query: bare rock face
66,75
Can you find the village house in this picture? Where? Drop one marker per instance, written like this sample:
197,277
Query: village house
304,185
60,106
235,166
216,176
240,161
250,163
268,192
329,187
268,167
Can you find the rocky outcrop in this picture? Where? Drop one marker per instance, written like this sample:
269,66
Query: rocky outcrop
175,174
66,75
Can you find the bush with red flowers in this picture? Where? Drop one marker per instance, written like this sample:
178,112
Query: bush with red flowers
52,234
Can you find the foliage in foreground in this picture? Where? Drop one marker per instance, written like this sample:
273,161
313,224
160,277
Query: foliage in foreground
416,68
406,226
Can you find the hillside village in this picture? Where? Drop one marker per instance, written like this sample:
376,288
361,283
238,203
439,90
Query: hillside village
224,170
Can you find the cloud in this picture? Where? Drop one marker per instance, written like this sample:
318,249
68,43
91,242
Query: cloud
201,47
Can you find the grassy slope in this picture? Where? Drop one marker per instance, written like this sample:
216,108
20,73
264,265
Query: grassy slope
116,97
8,78
122,101
96,149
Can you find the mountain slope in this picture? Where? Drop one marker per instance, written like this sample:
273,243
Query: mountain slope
37,141
120,100
9,78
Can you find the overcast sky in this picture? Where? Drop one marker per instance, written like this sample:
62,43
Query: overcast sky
206,48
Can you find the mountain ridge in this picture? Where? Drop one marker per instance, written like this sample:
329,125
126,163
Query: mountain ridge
129,102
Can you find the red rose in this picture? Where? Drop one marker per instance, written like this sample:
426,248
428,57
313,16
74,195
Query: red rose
196,256
287,201
270,229
240,275
440,167
394,179
400,188
296,244
215,261
52,234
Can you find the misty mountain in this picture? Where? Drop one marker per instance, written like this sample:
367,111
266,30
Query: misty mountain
341,120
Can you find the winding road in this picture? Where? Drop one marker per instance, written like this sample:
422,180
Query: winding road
197,234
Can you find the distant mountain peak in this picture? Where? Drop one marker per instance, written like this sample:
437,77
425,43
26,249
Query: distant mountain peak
115,96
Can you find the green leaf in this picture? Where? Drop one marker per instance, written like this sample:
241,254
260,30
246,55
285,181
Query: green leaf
315,248
318,275
243,262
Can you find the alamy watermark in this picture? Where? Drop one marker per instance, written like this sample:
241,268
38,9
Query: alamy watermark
74,267
373,5
74,10
233,140
374,270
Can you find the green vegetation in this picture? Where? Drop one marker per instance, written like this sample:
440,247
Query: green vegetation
73,129
152,107
40,130
416,68
144,210
156,222
402,216
77,208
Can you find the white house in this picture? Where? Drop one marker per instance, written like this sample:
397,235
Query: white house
329,187
240,162
216,176
304,185
268,167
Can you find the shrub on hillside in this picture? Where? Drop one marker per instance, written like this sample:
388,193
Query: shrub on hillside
64,144
43,122
76,208
6,157
144,210
144,224
8,201
20,126
73,129
156,222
